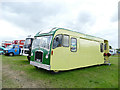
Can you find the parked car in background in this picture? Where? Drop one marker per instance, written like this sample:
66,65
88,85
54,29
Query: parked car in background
6,43
19,42
2,50
12,50
15,41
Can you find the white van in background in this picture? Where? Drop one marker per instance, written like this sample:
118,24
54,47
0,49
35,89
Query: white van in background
112,51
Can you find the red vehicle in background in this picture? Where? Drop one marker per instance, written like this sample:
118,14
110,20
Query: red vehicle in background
15,41
6,43
19,42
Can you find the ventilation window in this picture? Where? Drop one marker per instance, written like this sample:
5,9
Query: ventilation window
65,40
101,47
105,46
73,45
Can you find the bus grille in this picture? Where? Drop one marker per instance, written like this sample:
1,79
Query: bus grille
38,56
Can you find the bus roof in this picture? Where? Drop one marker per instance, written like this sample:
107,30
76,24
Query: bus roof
52,32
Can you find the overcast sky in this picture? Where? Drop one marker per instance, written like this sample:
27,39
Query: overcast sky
94,17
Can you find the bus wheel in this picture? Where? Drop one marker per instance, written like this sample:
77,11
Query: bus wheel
55,71
28,57
11,54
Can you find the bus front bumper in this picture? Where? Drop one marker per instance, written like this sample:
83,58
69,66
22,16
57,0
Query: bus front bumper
39,65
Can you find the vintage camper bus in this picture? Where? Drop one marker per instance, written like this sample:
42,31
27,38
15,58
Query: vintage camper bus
62,49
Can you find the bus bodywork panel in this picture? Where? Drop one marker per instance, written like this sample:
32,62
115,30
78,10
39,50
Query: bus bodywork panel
87,54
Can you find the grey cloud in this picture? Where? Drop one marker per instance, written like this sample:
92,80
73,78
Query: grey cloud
31,16
37,15
33,8
85,17
83,22
34,16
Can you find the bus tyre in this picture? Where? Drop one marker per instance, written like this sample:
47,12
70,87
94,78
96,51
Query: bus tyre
11,54
28,57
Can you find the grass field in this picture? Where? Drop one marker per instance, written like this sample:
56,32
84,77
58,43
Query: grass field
18,73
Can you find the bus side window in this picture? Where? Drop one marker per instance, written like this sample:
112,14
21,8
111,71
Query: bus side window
101,47
65,40
73,47
57,42
105,46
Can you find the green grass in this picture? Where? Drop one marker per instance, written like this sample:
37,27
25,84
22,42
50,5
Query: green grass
103,76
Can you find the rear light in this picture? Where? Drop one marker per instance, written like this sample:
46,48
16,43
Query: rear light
108,54
51,52
105,54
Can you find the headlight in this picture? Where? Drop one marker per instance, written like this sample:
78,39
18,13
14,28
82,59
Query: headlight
31,54
47,56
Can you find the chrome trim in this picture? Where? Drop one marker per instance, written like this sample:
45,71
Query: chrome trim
39,65
39,51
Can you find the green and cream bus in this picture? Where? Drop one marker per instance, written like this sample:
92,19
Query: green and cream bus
62,49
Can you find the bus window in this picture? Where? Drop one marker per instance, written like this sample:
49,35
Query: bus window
73,45
57,42
65,40
101,47
105,46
